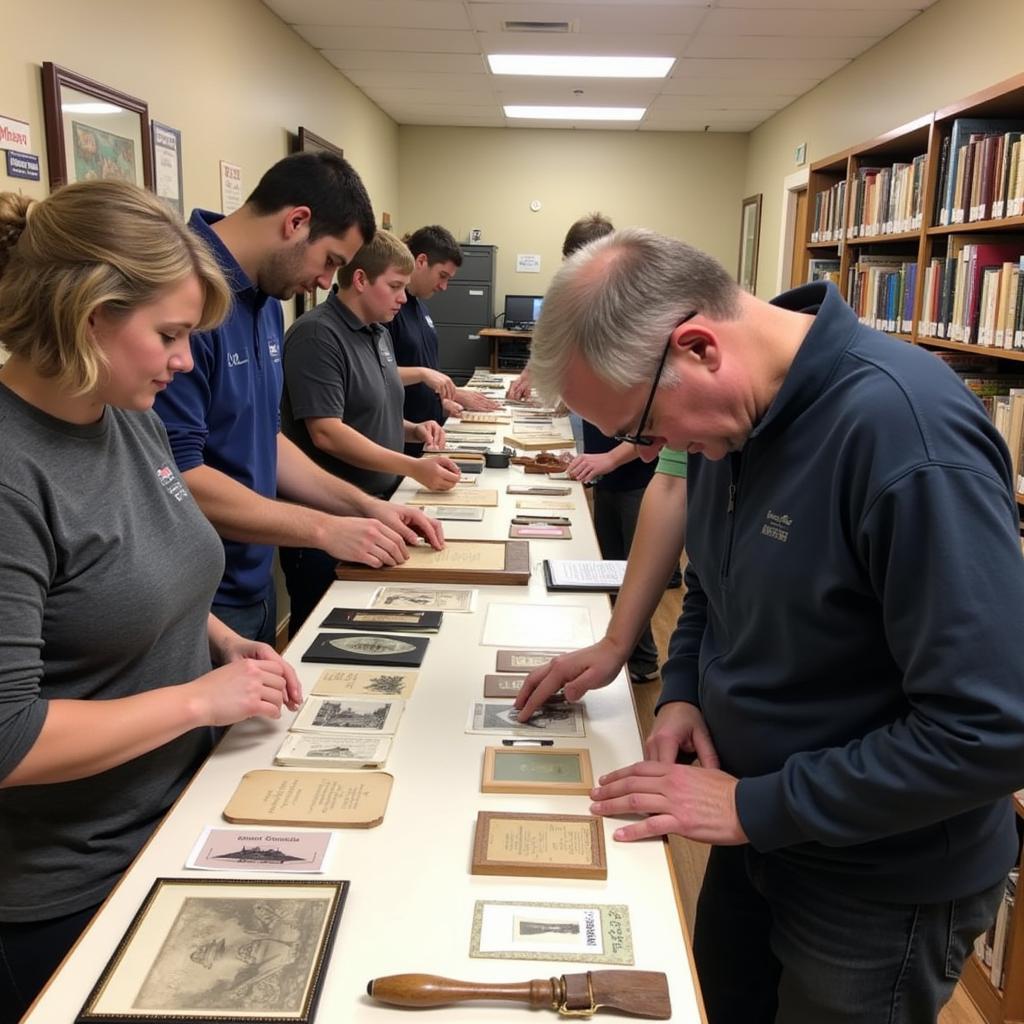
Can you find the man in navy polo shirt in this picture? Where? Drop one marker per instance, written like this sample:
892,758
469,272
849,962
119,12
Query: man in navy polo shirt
307,217
429,394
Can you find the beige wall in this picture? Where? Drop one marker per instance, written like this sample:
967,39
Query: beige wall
684,184
953,49
227,73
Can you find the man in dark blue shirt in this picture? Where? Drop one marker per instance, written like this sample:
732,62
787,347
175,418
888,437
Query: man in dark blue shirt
842,671
429,394
308,215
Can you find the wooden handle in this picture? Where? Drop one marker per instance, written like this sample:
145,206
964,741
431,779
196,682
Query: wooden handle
433,990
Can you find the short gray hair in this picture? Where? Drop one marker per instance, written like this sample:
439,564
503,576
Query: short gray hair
617,300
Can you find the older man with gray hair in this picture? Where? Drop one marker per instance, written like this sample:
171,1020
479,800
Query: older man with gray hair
841,672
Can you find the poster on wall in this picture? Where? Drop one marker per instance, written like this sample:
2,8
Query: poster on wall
167,165
230,187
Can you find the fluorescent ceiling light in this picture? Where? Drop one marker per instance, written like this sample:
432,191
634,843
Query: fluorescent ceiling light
91,108
577,113
579,67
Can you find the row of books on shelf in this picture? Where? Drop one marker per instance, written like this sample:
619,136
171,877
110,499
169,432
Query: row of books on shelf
886,200
990,947
975,294
829,214
881,291
981,173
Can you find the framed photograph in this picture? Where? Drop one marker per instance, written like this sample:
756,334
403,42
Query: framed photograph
539,845
94,131
368,649
573,932
503,562
167,180
221,950
551,770
750,236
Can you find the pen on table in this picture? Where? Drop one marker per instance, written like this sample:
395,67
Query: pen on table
527,743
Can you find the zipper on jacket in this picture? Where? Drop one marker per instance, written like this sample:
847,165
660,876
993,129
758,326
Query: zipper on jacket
735,468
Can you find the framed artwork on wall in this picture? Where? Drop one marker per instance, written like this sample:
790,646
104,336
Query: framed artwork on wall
750,236
168,183
94,131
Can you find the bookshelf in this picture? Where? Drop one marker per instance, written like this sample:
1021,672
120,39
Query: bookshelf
898,255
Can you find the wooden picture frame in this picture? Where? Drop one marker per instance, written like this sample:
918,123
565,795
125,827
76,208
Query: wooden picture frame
750,237
221,949
305,141
514,569
94,131
539,845
543,770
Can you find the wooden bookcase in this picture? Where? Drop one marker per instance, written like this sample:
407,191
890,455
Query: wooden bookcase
926,135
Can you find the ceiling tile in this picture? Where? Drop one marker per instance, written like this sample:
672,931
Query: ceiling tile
327,37
804,23
759,69
592,18
782,47
438,14
374,60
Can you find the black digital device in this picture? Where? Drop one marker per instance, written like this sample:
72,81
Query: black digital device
522,311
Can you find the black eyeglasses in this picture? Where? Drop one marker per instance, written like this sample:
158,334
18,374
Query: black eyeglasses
645,440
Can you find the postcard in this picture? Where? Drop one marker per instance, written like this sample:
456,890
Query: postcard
453,600
311,750
500,716
336,716
454,513
573,932
262,849
522,661
365,682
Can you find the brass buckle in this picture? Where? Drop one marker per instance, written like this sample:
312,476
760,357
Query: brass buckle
588,1011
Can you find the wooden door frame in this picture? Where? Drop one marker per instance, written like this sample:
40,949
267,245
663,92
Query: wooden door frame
791,185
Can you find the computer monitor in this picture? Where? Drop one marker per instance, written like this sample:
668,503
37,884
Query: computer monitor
522,310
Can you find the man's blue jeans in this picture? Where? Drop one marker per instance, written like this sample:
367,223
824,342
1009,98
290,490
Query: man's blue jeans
777,945
253,621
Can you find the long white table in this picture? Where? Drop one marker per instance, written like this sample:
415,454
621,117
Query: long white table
410,906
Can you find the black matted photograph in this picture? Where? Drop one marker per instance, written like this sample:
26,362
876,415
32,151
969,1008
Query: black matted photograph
367,649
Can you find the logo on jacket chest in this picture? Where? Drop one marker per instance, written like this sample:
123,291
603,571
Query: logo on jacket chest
776,526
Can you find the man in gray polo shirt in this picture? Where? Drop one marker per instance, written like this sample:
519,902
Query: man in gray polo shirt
343,398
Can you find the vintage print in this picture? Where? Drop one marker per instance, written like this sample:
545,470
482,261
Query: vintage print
499,717
310,799
549,770
523,661
364,682
395,620
424,597
577,933
362,648
503,686
333,715
454,513
539,845
100,154
222,949
228,849
311,750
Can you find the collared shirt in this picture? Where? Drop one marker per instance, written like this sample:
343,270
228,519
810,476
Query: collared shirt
335,366
415,343
224,414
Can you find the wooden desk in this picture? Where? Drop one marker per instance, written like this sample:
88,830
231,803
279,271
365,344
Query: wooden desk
499,336
411,902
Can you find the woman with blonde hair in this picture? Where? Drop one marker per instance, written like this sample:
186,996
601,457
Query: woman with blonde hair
108,698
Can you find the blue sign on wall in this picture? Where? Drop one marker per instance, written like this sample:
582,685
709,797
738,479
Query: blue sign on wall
22,165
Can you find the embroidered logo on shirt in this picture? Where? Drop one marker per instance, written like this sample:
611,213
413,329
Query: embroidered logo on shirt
170,483
237,359
776,526
274,348
426,316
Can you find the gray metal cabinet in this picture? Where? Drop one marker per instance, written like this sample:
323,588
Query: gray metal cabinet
461,311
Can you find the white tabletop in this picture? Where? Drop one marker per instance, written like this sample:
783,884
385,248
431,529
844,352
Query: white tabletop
410,906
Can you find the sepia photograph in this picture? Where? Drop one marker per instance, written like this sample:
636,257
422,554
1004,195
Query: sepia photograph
328,715
500,716
217,949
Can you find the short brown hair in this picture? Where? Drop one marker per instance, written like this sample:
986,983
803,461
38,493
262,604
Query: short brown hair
585,230
93,244
386,250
